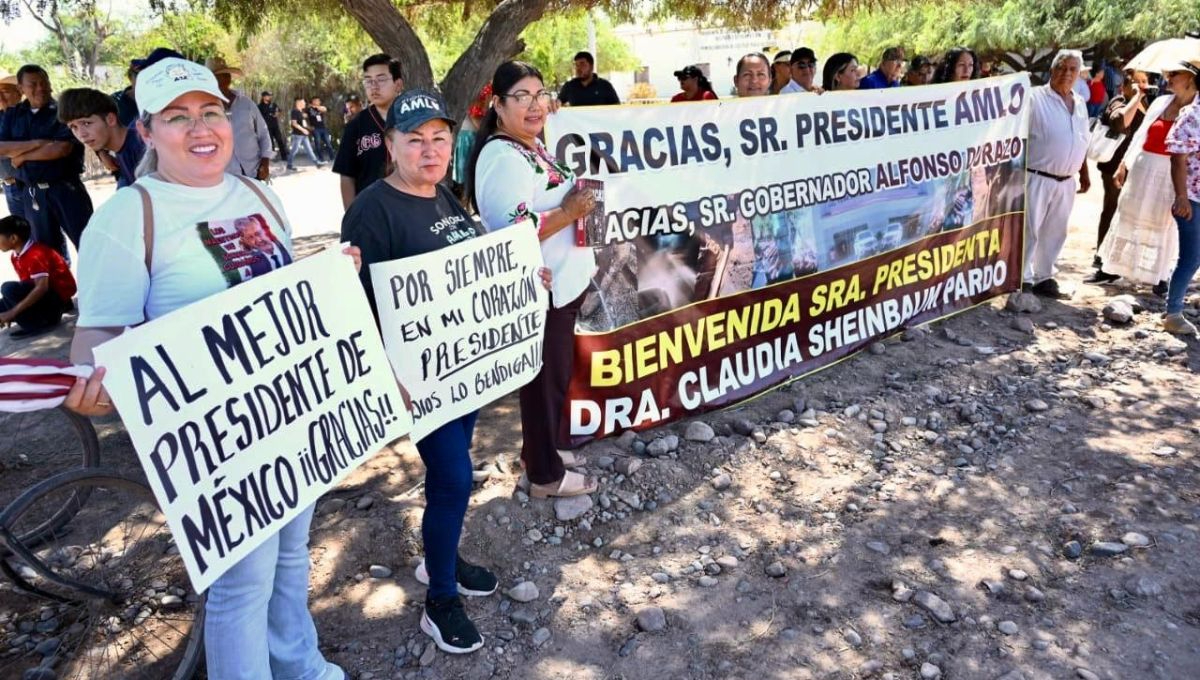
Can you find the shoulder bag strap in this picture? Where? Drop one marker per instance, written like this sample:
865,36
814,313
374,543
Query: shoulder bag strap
147,223
253,186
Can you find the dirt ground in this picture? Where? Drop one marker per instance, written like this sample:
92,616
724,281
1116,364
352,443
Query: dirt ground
930,508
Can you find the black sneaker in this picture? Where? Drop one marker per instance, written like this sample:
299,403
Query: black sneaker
1160,289
446,622
473,581
1101,277
1049,289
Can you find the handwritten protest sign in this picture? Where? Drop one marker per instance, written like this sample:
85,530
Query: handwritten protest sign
463,325
246,406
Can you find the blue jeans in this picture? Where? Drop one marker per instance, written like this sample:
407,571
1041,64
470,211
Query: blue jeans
322,144
446,453
258,626
300,142
1189,259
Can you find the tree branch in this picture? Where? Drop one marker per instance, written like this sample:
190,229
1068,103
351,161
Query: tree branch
498,41
392,32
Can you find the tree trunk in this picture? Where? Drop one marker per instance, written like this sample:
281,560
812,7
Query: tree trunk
498,41
394,35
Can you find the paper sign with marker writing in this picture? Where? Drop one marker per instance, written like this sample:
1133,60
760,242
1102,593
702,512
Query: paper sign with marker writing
248,405
463,325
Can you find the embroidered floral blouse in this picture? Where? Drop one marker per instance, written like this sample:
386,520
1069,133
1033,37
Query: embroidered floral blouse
513,183
1184,138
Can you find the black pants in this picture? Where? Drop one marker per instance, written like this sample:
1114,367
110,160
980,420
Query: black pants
57,207
1111,194
277,139
44,313
543,399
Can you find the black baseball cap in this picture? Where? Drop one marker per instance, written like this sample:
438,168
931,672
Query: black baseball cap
803,54
414,108
919,63
689,72
266,94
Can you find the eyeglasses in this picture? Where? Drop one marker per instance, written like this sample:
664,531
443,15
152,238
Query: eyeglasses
523,98
184,123
377,81
805,64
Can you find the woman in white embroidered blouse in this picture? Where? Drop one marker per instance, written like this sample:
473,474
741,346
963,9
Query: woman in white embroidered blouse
513,178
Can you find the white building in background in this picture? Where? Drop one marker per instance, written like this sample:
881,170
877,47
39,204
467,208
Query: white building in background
667,47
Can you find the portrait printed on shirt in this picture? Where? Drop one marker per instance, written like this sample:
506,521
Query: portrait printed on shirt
243,247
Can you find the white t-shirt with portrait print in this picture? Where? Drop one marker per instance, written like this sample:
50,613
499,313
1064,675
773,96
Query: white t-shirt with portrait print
206,240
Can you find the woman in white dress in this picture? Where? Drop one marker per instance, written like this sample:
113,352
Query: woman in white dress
1143,243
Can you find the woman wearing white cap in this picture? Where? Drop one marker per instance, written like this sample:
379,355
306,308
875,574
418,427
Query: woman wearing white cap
258,625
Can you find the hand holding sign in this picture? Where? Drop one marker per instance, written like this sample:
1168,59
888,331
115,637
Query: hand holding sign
463,326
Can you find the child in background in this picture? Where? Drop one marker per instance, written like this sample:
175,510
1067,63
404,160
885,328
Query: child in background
38,300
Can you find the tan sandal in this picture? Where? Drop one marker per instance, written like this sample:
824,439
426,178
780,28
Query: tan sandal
571,484
572,460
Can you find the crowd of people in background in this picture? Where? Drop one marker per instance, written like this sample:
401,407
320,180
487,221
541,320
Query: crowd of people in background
187,149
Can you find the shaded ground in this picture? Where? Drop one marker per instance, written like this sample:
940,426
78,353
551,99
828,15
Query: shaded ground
961,460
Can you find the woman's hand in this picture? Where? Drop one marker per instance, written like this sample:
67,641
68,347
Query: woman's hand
1182,208
88,397
406,397
578,202
547,277
356,253
1119,176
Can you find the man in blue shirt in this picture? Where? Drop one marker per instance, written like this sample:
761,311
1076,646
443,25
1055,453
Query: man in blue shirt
93,118
10,96
888,73
48,161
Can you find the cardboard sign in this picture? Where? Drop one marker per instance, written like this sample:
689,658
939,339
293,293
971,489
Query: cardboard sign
247,406
463,325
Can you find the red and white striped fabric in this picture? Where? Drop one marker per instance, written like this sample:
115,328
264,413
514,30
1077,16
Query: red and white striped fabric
35,384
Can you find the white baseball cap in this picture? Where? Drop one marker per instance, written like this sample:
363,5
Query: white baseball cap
164,81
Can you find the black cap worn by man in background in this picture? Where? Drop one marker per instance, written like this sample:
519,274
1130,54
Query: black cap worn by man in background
920,71
270,113
587,88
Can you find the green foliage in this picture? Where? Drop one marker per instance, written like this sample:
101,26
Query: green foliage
931,27
551,44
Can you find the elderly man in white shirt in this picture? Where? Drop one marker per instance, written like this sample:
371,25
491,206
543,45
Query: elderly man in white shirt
1058,142
252,152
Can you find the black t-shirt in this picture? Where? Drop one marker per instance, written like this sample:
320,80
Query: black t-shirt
298,118
362,154
316,118
270,113
388,224
598,92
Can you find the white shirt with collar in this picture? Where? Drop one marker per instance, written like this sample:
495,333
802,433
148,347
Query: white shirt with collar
793,88
1058,138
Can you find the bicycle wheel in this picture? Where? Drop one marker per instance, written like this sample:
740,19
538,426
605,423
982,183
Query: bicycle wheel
125,608
45,440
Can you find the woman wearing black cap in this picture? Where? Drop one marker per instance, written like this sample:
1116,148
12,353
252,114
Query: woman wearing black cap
694,85
409,213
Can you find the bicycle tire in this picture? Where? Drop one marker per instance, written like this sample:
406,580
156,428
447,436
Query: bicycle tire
90,444
128,483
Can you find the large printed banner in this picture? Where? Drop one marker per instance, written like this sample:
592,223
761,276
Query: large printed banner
246,406
463,325
748,242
